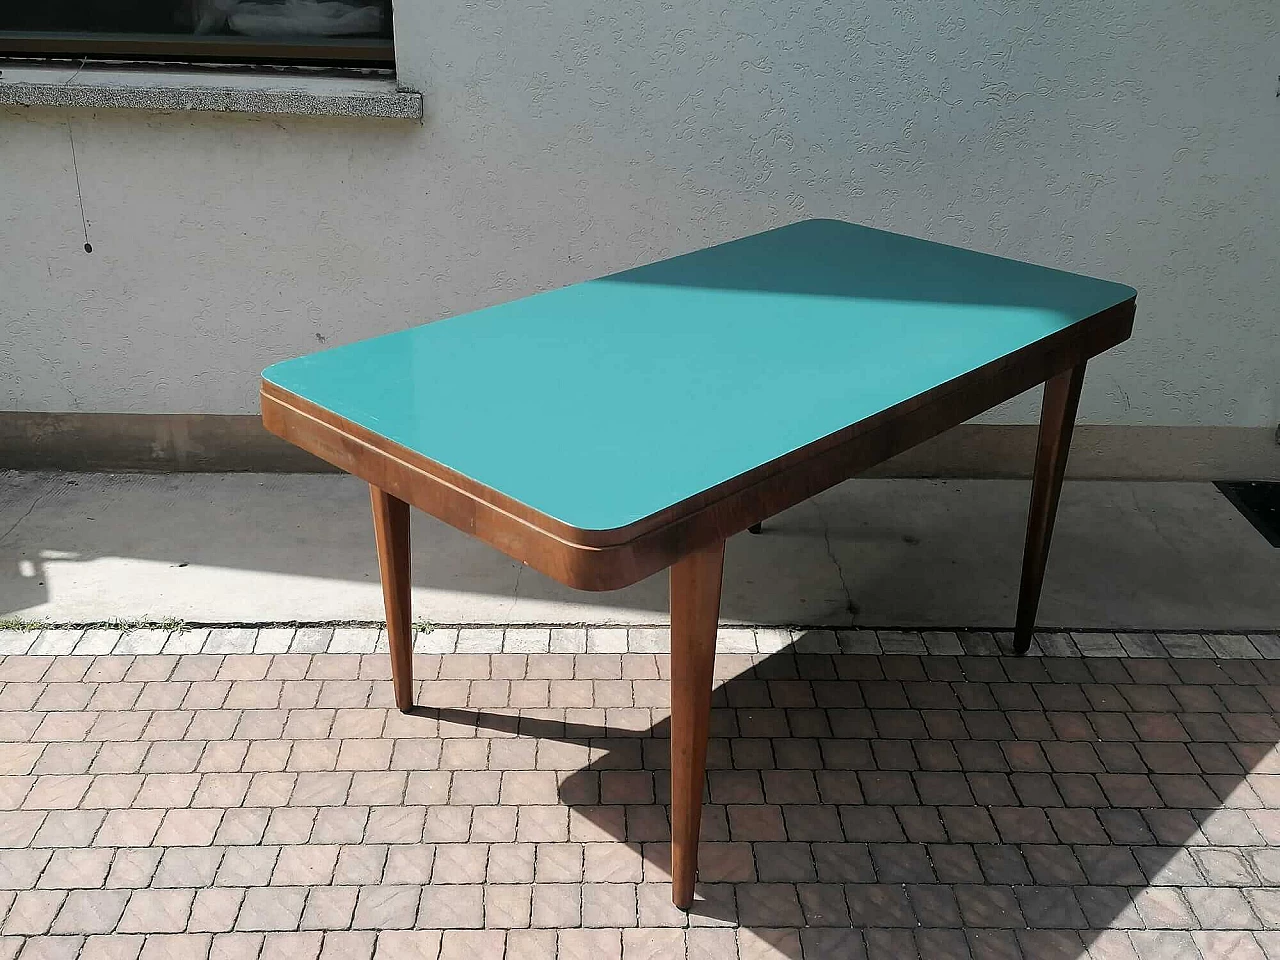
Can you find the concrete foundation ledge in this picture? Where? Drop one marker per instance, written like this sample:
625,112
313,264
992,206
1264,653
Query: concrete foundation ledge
152,443
1098,452
160,90
165,443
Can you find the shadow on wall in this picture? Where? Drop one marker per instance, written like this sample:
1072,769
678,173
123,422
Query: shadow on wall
900,806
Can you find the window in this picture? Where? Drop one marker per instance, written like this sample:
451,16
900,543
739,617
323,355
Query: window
339,32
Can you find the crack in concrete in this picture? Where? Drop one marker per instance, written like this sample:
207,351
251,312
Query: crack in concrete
515,589
1151,520
34,503
851,608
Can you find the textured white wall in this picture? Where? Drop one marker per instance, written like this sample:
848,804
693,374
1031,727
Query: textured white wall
1132,139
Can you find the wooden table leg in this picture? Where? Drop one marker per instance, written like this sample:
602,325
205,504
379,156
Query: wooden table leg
391,527
1057,417
695,615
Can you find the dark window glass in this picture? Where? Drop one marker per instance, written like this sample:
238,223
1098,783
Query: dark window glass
254,31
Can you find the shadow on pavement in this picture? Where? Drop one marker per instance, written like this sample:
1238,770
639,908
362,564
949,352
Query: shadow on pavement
903,806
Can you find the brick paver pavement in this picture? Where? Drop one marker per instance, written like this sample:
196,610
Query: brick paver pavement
870,795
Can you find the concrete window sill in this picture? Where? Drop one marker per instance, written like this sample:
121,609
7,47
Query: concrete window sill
178,90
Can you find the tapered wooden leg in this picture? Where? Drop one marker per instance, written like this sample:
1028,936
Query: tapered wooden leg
1057,417
391,527
695,614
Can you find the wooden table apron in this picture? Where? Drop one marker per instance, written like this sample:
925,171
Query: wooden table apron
689,536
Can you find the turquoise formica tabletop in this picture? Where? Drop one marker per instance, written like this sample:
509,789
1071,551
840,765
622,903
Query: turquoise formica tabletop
605,402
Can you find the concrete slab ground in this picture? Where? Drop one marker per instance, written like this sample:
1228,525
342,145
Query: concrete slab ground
258,548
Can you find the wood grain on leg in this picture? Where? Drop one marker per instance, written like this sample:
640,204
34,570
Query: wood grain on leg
695,614
1057,417
391,527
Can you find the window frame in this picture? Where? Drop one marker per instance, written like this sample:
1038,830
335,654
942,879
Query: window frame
176,48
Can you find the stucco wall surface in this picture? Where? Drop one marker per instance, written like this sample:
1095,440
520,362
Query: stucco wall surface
1132,139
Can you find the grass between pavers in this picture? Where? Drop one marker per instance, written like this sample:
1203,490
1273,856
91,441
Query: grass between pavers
19,623
114,623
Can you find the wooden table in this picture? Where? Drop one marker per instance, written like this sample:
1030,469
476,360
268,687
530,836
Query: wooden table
602,432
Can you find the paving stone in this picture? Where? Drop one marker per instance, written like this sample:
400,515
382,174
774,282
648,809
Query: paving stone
1221,908
1164,907
186,641
815,641
311,640
1098,644
568,640
329,908
1232,646
386,907
473,945
942,643
1190,645
90,911
236,946
609,905
157,911
1215,867
175,946
17,641
33,912
114,946
877,805
291,946
437,640
73,868
231,640
341,945
606,639
96,642
273,640
214,910
901,642
773,639
1050,944
1163,945
989,906
1227,945
1057,645
978,643
556,905
479,640
187,867
874,905
271,908
649,640
1267,644
526,640
452,907
1141,645
590,944
710,944
408,945
56,642
353,640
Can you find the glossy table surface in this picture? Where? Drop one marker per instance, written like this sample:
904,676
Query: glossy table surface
605,402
